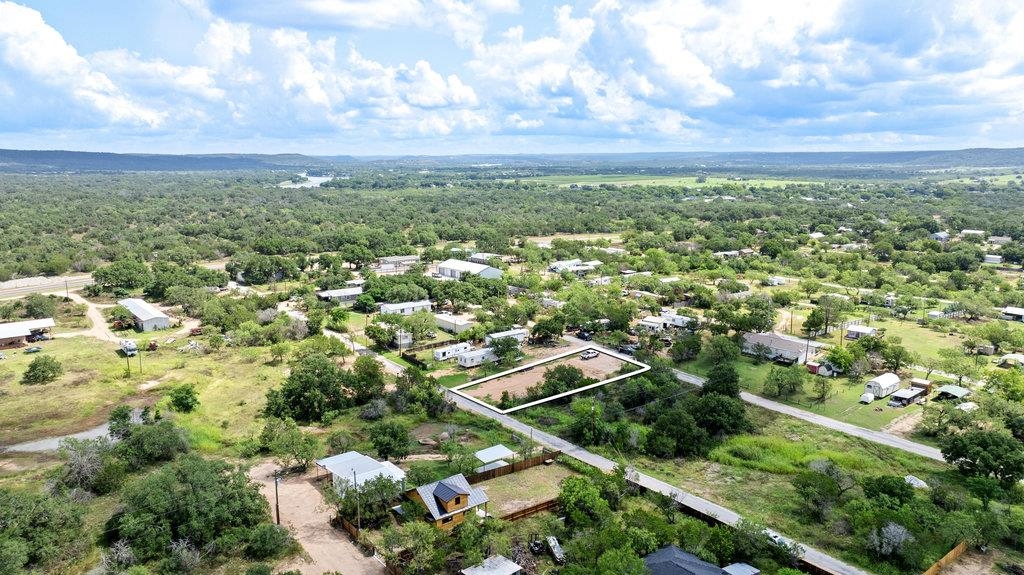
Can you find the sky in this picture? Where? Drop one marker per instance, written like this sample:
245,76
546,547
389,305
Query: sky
383,77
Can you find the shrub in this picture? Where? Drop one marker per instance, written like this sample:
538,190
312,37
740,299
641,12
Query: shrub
42,369
184,398
259,569
267,540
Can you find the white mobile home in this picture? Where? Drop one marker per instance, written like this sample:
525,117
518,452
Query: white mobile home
452,323
993,259
406,308
1013,313
477,357
560,266
672,319
458,269
883,385
519,335
342,295
859,331
147,317
652,324
446,353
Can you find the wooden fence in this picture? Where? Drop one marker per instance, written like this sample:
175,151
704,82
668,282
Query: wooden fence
949,558
515,467
531,510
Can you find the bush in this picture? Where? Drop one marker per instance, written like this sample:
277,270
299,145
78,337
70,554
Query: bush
43,369
184,398
267,540
259,569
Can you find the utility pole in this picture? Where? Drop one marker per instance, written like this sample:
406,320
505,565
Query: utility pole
277,500
140,361
67,292
359,509
128,362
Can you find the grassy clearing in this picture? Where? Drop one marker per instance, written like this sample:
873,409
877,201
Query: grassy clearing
231,385
919,339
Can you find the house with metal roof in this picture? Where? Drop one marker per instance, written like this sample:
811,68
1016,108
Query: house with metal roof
406,307
951,392
458,269
857,331
672,560
18,332
450,500
520,335
1013,313
779,348
353,469
341,295
147,317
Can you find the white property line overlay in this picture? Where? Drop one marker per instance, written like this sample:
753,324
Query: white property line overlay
643,367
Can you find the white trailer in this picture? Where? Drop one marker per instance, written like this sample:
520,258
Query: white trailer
446,353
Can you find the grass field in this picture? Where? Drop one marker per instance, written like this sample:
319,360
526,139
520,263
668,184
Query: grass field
640,180
95,381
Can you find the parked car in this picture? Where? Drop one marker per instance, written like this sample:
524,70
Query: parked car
34,349
585,335
629,348
589,354
37,337
556,550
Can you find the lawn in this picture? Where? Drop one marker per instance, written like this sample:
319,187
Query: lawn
842,404
521,490
919,339
95,380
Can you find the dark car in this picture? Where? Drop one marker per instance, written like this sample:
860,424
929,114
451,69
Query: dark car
34,349
629,349
37,337
585,335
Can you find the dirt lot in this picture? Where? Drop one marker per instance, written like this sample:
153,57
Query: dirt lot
308,519
599,368
521,490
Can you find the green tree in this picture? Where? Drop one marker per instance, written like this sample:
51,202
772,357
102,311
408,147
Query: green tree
721,349
367,381
719,414
722,379
40,306
123,274
582,504
818,494
785,381
42,369
985,453
507,349
821,387
312,389
390,439
685,348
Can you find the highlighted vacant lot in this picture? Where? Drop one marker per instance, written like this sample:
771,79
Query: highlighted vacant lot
605,367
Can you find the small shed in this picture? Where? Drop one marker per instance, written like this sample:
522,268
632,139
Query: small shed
494,565
867,397
883,386
741,569
494,453
921,383
952,392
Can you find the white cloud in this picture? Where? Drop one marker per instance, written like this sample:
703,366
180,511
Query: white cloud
158,75
32,46
223,44
518,122
348,14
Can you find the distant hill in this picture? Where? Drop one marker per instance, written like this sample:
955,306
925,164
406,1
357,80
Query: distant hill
836,163
66,161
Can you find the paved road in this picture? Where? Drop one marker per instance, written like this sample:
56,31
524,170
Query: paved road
699,504
27,286
41,284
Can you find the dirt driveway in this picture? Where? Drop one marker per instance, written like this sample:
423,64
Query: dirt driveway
99,330
307,517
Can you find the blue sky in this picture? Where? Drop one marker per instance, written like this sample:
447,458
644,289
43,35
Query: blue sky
509,76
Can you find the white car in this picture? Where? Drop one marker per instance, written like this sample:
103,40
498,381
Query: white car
589,354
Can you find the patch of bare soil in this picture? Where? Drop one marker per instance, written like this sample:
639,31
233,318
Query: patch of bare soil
904,425
974,563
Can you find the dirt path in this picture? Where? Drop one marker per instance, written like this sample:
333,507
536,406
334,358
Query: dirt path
307,517
99,330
